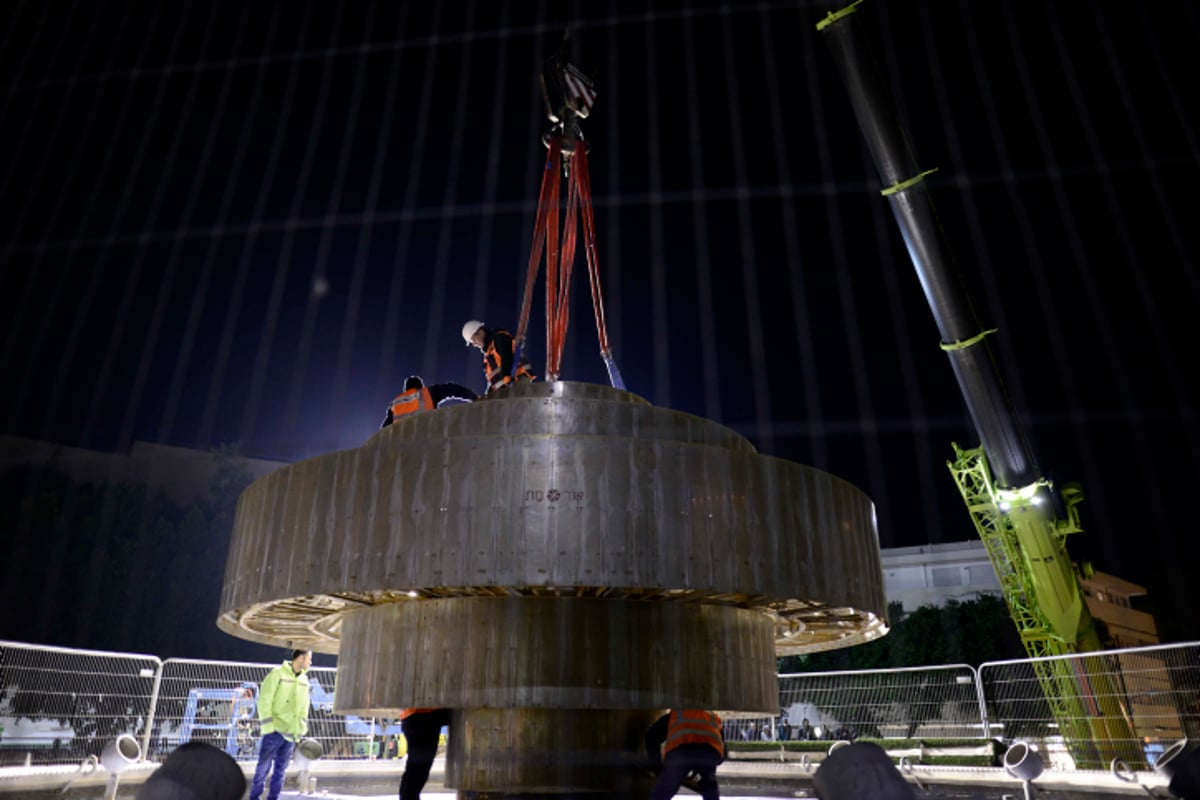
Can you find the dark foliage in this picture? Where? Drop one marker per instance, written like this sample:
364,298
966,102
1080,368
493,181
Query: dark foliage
118,566
962,632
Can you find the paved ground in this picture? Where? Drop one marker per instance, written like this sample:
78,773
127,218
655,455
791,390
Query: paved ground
739,781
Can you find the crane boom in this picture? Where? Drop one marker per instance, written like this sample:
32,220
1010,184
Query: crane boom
1022,521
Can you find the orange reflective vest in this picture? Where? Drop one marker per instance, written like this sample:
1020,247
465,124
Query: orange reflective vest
524,373
493,366
411,402
694,727
408,712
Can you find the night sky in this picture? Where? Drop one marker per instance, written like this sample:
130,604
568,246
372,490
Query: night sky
248,222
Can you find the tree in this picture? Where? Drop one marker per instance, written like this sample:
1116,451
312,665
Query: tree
119,566
230,476
960,632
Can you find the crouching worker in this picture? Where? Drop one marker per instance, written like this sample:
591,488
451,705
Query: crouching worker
694,743
418,397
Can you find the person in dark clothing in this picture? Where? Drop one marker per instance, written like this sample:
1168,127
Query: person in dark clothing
195,771
656,734
497,349
419,397
1184,770
695,743
862,771
421,728
805,732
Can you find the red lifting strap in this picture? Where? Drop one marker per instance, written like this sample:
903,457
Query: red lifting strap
547,199
560,258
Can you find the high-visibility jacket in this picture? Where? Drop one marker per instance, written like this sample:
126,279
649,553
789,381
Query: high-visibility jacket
687,726
411,402
283,702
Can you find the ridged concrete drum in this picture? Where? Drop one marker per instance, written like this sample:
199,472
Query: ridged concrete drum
564,652
549,752
555,546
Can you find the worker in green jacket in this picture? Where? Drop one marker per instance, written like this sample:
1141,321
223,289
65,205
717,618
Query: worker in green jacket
283,715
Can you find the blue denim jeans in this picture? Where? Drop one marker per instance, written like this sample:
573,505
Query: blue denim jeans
275,751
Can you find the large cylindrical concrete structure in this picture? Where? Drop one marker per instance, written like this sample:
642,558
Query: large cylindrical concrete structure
553,552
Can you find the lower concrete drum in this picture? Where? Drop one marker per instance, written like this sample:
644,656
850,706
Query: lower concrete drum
559,563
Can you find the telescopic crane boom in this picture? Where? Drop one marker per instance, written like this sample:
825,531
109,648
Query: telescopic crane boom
1021,519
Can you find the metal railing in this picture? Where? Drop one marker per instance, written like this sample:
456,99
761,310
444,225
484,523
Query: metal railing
1157,694
905,703
216,702
59,705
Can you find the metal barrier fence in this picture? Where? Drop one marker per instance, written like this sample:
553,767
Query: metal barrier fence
1158,694
216,702
58,706
905,703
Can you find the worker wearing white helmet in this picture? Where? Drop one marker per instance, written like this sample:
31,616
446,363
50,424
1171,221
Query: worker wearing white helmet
497,349
470,328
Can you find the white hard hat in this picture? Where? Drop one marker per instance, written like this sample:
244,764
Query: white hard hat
471,327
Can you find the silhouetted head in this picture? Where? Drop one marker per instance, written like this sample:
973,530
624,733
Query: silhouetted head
195,771
861,771
413,382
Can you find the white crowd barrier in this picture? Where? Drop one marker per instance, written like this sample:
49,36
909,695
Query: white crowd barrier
61,705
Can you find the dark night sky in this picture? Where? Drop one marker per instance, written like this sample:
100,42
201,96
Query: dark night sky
176,177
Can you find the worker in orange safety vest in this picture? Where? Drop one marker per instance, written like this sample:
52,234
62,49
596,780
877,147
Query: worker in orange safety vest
421,728
497,348
695,743
418,397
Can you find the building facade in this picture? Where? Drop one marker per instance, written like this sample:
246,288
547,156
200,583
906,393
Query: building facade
931,574
182,473
1110,599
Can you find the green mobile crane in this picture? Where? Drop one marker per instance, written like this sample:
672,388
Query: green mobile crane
1023,521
